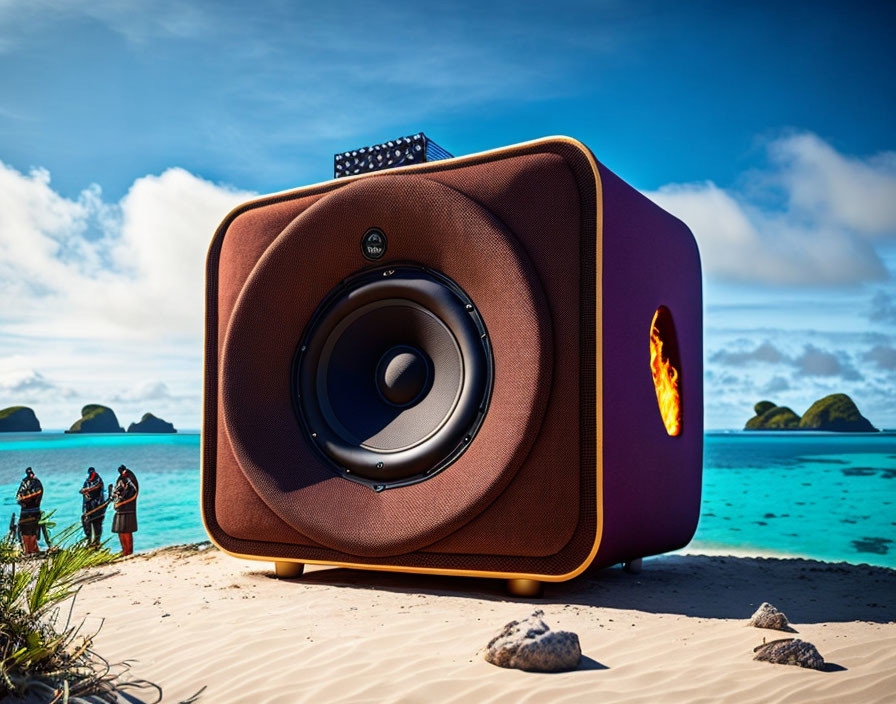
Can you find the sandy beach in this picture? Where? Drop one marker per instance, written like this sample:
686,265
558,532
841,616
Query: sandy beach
192,616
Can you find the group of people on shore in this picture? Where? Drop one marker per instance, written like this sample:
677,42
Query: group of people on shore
94,502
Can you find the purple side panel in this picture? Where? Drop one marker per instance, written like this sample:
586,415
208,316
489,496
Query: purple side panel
651,481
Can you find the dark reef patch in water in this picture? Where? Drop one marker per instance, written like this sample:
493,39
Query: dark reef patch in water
876,546
859,471
819,460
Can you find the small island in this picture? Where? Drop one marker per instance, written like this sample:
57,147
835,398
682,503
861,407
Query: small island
96,419
835,413
18,419
151,424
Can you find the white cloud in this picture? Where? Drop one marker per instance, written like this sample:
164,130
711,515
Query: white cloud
150,391
21,386
105,296
817,362
856,194
883,356
811,218
809,361
157,398
765,352
794,367
83,268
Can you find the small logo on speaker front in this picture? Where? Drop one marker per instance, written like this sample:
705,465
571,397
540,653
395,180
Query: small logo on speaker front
373,244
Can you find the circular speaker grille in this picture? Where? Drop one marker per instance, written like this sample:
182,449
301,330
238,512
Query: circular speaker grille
427,222
393,375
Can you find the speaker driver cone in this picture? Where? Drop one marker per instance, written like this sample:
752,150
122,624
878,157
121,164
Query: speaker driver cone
393,375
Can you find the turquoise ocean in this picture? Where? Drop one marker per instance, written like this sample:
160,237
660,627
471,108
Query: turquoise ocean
825,496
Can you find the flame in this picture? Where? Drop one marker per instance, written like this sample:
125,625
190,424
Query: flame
665,380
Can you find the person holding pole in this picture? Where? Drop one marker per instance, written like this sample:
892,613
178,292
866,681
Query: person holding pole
29,496
124,498
93,510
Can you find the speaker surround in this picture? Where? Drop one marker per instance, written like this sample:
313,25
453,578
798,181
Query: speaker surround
494,361
393,375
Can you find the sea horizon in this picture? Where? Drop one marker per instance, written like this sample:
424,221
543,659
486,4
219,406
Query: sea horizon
804,494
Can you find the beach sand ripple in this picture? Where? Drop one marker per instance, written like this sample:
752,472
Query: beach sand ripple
674,633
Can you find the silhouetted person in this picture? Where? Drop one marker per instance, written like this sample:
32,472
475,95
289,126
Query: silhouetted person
29,495
94,507
124,496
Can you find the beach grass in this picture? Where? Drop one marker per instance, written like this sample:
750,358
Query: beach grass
41,651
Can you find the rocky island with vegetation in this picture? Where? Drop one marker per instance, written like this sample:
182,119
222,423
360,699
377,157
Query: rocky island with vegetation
18,419
96,419
151,424
834,413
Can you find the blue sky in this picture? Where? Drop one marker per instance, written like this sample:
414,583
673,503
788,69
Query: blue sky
126,132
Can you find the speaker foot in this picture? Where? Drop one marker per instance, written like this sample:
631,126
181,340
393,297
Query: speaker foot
524,587
289,570
632,566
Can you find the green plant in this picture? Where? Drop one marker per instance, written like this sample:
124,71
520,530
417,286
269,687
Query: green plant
6,412
38,654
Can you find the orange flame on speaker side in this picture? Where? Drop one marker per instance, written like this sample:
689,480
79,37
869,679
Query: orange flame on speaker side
665,380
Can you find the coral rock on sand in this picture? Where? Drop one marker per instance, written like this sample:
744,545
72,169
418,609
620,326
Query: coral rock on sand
767,616
790,651
531,645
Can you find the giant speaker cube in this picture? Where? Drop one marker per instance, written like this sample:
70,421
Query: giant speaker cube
484,366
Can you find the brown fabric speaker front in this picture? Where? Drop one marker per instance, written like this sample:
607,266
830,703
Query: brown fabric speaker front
448,232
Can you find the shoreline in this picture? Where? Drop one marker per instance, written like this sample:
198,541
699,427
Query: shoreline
747,478
688,551
764,554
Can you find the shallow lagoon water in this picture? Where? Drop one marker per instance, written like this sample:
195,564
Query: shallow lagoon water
830,496
167,467
821,495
